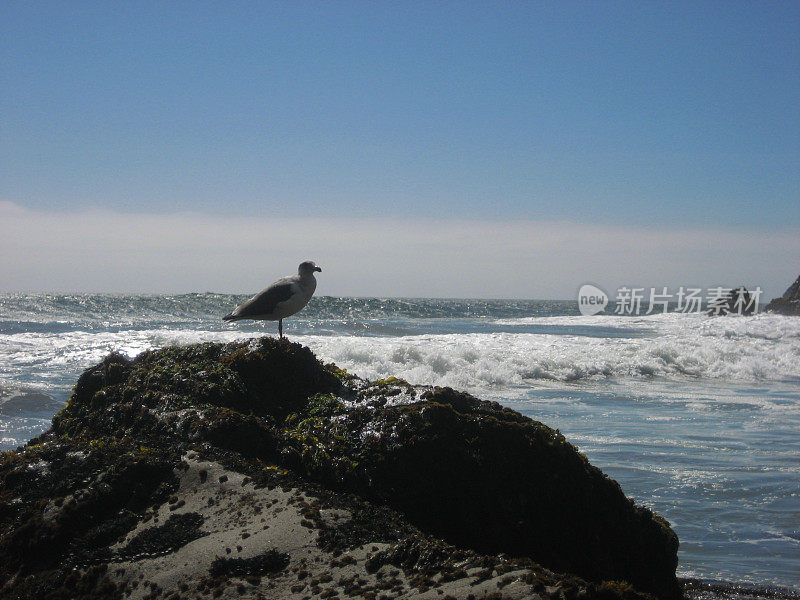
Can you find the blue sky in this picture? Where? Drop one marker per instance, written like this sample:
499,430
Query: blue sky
648,116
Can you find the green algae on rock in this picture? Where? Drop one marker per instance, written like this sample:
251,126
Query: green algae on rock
472,473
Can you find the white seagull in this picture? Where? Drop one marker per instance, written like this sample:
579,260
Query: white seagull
280,300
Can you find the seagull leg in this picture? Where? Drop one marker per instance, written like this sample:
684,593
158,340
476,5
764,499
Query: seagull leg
280,327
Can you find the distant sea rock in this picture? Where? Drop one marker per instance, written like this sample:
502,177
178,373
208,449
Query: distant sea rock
789,303
251,466
737,301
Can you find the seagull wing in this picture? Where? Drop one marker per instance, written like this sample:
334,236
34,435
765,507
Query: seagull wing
265,302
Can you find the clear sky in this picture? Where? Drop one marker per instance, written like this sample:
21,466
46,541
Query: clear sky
510,149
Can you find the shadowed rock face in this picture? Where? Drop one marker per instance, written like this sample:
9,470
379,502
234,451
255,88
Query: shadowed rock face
789,303
485,477
478,475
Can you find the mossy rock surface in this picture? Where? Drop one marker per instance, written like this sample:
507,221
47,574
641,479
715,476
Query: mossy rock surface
64,502
471,472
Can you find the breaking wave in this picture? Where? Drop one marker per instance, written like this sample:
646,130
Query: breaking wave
762,348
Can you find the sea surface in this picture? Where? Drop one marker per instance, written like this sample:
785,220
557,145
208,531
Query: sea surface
697,417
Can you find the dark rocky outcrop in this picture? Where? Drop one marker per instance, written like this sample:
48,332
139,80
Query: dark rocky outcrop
789,303
738,301
478,476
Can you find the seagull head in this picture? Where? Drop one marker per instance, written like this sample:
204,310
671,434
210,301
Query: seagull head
307,267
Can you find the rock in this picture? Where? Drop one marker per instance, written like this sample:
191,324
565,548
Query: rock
789,303
738,301
448,489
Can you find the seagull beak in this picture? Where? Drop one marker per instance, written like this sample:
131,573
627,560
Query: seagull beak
318,269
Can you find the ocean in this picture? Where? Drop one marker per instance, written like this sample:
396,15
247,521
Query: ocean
696,417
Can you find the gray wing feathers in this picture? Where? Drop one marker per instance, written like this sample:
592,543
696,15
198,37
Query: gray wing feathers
263,303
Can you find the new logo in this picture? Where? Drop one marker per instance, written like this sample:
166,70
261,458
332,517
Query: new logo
591,300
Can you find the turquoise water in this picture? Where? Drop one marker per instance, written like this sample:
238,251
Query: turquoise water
696,417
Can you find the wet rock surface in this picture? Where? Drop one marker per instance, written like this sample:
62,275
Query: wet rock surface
250,469
179,530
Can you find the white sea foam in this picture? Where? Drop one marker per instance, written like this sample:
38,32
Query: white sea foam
763,348
46,356
672,346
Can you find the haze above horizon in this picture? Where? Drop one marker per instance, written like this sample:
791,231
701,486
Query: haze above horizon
512,145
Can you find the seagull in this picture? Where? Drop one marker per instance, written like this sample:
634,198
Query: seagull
283,298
